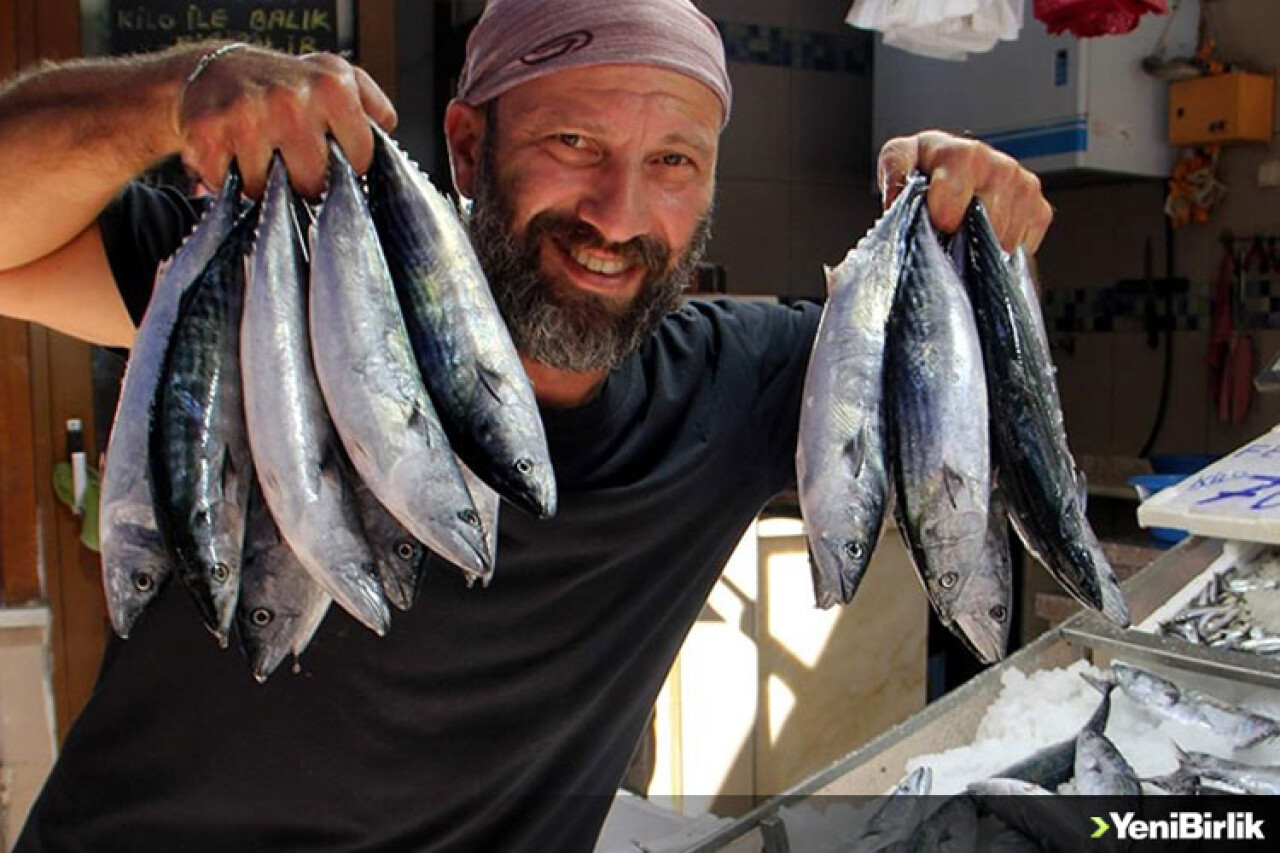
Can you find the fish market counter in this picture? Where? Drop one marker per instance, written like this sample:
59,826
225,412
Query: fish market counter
1035,698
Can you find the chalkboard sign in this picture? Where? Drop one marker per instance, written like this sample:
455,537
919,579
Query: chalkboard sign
288,25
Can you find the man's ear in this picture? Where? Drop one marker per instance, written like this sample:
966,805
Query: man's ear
463,132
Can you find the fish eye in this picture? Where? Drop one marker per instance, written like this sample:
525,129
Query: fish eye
469,517
524,465
143,582
948,579
220,573
405,551
999,613
261,617
853,550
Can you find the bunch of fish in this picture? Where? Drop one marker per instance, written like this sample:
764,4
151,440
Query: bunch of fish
1236,610
304,413
1017,809
931,389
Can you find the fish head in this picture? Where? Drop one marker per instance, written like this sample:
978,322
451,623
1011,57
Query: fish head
218,554
1134,681
842,555
135,567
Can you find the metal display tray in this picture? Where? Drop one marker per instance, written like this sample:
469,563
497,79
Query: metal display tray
953,720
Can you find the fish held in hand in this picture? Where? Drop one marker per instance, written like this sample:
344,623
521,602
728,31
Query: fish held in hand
941,444
295,449
468,361
1036,472
842,462
135,561
200,463
372,385
280,605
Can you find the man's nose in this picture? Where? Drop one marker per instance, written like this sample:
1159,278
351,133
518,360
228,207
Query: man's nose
617,202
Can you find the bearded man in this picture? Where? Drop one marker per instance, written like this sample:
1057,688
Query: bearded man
586,135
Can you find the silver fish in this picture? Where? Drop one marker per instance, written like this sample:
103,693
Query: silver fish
295,450
280,605
135,562
470,365
951,828
1100,768
200,464
1192,707
1248,778
941,443
372,385
898,814
399,557
1034,812
1036,471
1047,767
842,464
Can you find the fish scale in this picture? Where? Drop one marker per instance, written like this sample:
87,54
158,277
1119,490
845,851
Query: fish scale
199,453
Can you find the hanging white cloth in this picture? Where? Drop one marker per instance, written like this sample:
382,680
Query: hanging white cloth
942,29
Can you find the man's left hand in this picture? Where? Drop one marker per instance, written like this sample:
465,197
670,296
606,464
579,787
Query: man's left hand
960,169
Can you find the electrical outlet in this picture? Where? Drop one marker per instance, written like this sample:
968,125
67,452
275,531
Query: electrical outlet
1269,174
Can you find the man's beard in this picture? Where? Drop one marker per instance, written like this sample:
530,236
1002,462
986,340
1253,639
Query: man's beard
551,321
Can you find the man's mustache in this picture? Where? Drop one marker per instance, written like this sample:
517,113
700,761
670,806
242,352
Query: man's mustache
648,252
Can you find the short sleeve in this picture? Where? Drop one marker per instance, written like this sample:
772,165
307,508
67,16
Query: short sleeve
140,228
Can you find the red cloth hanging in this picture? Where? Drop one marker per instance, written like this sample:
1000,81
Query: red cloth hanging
1090,18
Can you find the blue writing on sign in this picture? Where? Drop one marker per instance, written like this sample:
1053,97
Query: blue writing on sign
1258,451
1263,494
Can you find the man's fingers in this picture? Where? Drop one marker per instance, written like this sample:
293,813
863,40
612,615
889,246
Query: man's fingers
897,159
306,158
375,102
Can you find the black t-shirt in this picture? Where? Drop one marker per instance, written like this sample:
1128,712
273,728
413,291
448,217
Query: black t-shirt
486,719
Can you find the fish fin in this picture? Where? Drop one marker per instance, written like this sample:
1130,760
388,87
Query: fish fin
1082,489
227,470
490,380
953,481
856,450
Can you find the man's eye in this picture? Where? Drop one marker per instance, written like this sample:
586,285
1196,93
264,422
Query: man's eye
675,160
572,140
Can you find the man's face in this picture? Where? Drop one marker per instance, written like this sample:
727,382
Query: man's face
592,206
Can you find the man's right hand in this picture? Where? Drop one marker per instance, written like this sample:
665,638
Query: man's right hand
250,101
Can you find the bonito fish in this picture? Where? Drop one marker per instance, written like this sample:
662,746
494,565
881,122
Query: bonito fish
372,385
201,468
1100,768
941,446
295,450
842,463
1244,777
1192,707
399,557
135,561
1034,465
470,365
280,605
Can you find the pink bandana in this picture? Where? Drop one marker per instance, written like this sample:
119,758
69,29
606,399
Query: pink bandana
516,41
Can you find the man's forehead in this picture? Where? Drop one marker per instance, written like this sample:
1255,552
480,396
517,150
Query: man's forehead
603,98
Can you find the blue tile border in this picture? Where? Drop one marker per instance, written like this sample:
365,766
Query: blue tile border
783,47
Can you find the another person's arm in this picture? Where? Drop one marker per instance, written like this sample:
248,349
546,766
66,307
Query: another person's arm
72,134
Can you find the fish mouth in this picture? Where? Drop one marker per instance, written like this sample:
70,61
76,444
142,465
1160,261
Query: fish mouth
986,637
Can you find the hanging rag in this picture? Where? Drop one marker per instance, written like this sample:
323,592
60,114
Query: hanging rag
1091,18
940,29
1231,351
